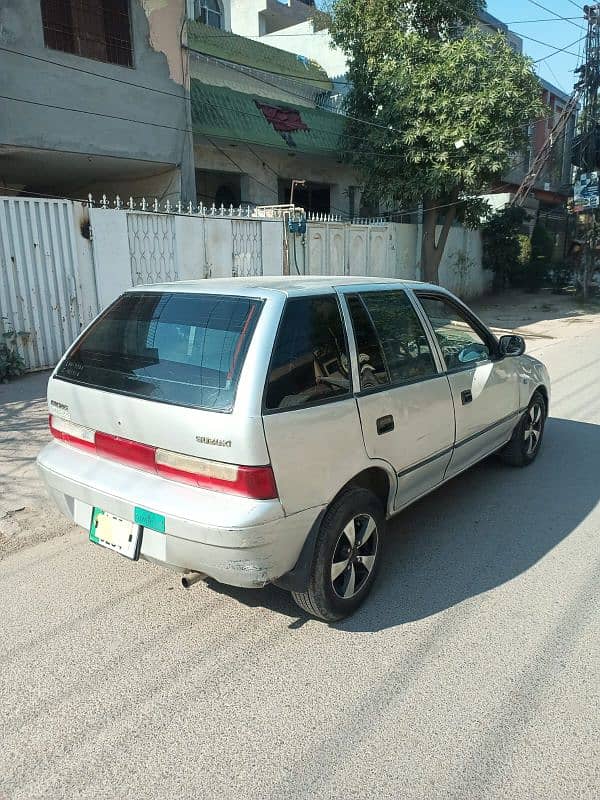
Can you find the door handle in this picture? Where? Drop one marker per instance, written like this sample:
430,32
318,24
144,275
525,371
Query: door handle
466,397
385,424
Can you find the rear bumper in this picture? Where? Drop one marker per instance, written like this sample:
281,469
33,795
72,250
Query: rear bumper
235,540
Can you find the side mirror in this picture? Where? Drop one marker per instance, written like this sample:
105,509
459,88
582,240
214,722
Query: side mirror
512,345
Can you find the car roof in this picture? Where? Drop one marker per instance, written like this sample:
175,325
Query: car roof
287,284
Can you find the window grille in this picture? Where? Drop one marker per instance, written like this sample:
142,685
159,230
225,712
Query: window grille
98,29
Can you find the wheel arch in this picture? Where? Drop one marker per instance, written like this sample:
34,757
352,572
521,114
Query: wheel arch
378,480
542,389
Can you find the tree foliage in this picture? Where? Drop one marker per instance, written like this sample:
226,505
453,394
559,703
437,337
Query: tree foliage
451,106
504,248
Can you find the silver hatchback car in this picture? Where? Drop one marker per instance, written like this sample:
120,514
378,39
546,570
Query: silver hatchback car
263,431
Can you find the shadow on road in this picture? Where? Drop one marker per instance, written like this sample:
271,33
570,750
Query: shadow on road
477,532
20,404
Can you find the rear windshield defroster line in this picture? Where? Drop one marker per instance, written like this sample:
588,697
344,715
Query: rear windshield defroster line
171,347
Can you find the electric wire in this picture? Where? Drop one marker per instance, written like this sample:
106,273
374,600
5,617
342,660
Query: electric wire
288,75
246,114
555,14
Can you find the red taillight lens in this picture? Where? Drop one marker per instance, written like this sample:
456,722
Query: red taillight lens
124,450
255,482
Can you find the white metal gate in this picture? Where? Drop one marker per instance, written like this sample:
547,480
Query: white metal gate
247,248
39,282
337,248
152,248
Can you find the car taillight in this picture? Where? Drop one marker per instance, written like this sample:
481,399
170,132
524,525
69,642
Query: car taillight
74,434
255,482
126,451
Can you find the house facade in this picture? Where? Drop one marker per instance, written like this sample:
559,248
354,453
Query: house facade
94,99
262,118
145,98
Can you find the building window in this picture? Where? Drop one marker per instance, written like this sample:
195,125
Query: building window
207,11
312,197
220,188
90,28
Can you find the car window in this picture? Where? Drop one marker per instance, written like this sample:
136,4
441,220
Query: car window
184,349
371,363
310,359
460,343
402,340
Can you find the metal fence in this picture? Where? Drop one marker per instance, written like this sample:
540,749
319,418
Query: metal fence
40,290
63,261
152,253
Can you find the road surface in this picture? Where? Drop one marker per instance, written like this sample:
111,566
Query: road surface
472,671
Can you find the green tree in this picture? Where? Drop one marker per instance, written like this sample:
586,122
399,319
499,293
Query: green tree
542,250
451,106
503,246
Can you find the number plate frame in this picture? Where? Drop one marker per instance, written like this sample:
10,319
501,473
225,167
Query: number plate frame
116,534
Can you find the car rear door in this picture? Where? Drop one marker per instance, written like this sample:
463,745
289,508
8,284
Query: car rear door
404,398
484,386
310,415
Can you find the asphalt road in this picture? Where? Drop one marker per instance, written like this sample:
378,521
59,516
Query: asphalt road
472,672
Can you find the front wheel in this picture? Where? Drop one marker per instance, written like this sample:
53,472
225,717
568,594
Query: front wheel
346,557
527,438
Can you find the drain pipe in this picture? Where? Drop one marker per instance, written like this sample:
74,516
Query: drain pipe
191,578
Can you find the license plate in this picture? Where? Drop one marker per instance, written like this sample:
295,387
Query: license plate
116,534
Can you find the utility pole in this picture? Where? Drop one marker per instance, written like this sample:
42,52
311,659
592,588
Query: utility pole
587,145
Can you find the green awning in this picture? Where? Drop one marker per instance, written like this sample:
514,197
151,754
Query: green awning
249,53
235,116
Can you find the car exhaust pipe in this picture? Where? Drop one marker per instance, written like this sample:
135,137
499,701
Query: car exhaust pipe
191,578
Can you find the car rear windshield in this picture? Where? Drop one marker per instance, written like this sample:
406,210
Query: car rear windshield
184,349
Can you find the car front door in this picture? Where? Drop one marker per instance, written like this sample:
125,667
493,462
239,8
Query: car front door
484,386
403,397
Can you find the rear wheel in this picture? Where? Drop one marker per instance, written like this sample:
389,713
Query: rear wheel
346,558
527,438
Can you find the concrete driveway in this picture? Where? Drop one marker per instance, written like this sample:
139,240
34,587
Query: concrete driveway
472,672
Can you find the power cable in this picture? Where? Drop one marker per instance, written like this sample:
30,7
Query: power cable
394,212
558,83
555,14
542,19
240,112
256,180
564,49
92,73
289,76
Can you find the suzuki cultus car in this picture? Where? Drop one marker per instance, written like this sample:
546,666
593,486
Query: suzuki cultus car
264,430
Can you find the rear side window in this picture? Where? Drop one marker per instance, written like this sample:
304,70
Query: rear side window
183,349
310,361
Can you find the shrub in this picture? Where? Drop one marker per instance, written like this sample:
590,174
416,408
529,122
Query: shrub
502,247
11,363
542,249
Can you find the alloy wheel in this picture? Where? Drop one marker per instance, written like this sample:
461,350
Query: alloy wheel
533,428
354,556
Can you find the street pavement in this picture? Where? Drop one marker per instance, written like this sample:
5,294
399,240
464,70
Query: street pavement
472,671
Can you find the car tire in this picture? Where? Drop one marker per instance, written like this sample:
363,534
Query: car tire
346,557
526,441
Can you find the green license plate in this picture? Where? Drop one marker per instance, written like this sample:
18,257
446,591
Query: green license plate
148,519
